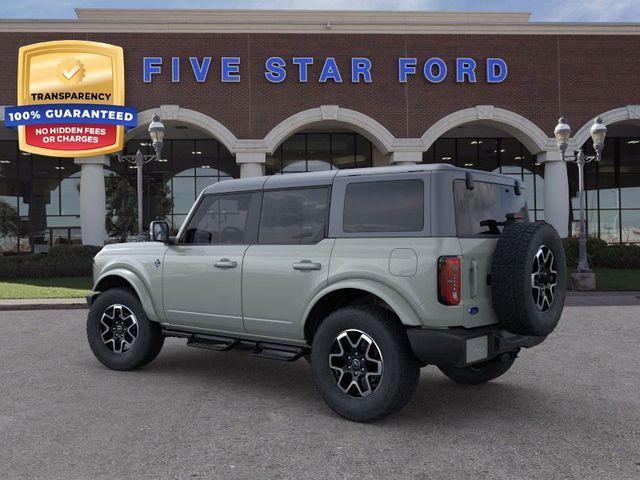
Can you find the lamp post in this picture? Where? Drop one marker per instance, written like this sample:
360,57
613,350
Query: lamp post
156,133
562,133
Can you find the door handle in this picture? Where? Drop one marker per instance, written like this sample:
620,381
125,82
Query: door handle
305,265
473,267
225,263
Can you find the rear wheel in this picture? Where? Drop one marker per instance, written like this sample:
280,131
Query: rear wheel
119,333
480,372
362,363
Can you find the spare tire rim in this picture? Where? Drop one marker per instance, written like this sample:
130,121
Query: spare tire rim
356,363
544,278
118,328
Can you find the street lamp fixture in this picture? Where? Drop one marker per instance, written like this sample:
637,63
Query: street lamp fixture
562,133
156,133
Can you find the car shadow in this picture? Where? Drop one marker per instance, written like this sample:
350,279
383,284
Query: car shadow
437,399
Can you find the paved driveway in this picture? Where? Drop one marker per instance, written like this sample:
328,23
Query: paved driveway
568,409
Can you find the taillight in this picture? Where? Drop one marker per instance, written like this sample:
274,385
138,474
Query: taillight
449,280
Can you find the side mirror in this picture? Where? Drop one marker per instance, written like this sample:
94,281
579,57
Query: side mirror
159,231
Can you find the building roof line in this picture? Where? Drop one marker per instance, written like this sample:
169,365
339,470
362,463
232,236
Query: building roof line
310,22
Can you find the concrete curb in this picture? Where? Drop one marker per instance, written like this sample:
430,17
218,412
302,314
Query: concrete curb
602,299
43,304
574,299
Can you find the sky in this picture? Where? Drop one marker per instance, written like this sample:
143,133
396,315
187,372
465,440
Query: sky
542,10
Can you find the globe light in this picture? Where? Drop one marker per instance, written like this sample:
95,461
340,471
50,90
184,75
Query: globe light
156,133
562,133
598,132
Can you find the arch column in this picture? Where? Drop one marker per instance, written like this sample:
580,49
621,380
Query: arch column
405,158
556,191
251,163
93,208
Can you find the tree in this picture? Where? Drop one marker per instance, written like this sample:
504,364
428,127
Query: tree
121,207
9,222
162,202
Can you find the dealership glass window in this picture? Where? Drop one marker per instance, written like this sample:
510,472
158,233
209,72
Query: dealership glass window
629,172
294,154
387,206
295,216
612,191
503,155
630,226
306,152
488,153
445,151
318,151
8,159
187,167
467,152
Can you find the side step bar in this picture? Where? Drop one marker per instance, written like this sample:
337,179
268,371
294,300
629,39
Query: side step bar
273,351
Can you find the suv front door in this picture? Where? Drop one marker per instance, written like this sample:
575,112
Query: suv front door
290,262
202,271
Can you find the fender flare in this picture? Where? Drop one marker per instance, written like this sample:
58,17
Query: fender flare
398,304
138,285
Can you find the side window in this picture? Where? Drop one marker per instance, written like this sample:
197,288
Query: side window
227,218
296,216
483,210
384,206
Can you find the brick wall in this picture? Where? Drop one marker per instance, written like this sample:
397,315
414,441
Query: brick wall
578,76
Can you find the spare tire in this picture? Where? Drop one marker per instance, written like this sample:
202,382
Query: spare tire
529,278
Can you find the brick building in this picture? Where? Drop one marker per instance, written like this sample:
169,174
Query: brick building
266,92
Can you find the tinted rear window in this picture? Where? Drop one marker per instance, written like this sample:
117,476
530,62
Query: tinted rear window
385,206
487,203
296,216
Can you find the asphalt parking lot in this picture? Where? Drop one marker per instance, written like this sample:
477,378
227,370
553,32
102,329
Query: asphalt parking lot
568,409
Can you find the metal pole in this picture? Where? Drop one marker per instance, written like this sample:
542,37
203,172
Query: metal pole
583,265
139,164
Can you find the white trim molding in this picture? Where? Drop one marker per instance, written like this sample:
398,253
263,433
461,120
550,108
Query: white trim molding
373,130
622,114
312,21
200,120
531,136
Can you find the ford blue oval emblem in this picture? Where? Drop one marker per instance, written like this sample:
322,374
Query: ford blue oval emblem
473,310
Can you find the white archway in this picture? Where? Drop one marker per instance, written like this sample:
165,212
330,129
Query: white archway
382,138
197,119
527,132
622,114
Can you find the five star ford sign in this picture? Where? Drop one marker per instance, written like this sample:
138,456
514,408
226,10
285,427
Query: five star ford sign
70,99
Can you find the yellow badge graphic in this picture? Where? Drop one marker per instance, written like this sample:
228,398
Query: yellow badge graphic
70,71
70,99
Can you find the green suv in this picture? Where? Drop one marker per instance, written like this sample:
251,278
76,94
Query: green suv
369,274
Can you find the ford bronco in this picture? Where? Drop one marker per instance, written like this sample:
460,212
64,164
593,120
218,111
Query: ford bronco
369,274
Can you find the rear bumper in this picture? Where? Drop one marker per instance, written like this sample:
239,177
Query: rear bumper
459,347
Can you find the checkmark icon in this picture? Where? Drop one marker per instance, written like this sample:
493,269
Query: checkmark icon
71,73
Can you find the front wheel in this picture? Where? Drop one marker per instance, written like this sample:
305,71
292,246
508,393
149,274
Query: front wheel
119,333
362,363
480,372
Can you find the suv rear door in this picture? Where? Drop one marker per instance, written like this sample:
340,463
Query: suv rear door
202,271
489,201
290,262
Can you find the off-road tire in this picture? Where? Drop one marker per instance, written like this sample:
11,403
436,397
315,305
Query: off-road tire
400,369
147,344
480,372
511,278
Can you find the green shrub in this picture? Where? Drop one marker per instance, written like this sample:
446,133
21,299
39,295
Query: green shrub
61,261
601,255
